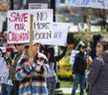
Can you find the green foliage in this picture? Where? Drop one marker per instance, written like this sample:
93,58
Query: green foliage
65,75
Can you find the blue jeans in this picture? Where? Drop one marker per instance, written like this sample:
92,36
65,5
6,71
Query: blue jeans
78,79
51,85
6,89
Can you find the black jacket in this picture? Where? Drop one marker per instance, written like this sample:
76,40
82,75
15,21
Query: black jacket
79,65
55,59
98,77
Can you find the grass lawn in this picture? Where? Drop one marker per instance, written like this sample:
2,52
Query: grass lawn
66,84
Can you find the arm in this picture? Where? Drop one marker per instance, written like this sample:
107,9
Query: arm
59,57
46,70
19,73
23,71
38,68
74,69
94,72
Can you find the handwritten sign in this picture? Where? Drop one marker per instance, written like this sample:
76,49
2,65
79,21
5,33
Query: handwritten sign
42,20
43,15
56,34
100,4
19,23
18,26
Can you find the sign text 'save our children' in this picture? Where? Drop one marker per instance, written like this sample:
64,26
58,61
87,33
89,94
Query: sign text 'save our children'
18,26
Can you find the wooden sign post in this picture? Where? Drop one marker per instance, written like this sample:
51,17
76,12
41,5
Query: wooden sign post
31,37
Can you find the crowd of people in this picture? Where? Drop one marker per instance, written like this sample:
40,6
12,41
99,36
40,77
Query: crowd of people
91,73
22,74
36,74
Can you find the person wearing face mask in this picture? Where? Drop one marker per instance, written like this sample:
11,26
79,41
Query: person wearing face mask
39,85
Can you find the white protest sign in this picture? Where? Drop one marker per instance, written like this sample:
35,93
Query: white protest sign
57,34
19,23
42,15
42,18
18,26
100,4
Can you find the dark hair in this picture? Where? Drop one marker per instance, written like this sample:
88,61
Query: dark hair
51,51
104,44
24,60
1,52
35,58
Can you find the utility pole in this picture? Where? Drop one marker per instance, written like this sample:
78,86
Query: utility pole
53,6
11,4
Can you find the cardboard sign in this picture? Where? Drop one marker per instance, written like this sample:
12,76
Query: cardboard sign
42,15
19,23
41,24
55,34
100,4
18,26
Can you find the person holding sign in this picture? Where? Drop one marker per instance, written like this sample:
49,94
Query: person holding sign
23,75
18,56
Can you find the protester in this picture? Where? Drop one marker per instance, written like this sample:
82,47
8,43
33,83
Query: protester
6,82
52,62
20,53
8,58
39,85
79,68
23,75
98,79
51,78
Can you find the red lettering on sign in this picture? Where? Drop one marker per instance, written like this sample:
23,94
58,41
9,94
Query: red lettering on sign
18,37
18,17
19,26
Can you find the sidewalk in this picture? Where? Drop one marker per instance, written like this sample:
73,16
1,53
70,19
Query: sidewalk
67,91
